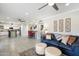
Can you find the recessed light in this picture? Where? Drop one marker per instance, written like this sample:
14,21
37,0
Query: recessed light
67,4
26,13
8,17
50,4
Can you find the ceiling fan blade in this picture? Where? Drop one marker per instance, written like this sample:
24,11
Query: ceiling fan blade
21,20
43,6
55,7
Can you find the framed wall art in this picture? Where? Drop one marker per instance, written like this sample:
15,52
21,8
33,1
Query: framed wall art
61,25
68,25
55,25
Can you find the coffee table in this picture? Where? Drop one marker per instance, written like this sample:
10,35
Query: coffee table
52,51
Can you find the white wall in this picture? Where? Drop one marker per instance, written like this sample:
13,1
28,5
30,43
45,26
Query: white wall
15,26
24,30
74,15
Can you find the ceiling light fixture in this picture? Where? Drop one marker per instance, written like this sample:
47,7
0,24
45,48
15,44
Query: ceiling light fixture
8,17
26,13
50,4
67,4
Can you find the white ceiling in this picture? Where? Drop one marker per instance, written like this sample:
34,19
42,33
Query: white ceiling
18,10
29,11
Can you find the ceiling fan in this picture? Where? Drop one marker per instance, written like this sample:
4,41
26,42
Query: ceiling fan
54,6
21,20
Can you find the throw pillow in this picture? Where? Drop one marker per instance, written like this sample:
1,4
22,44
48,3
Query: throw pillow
48,36
58,37
65,39
71,40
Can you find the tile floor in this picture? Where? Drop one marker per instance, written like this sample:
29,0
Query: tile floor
13,46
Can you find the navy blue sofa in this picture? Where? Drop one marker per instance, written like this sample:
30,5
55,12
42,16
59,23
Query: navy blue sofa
70,50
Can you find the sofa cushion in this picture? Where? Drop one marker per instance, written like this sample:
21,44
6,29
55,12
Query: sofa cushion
51,42
57,44
67,47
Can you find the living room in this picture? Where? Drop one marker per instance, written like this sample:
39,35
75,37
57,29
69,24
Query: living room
39,29
58,29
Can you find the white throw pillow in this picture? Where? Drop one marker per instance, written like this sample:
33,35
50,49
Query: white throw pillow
48,37
65,39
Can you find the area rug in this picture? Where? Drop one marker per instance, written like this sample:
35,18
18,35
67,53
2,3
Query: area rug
31,52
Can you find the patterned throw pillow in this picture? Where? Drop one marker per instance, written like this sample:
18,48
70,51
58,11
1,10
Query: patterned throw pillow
58,37
71,40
